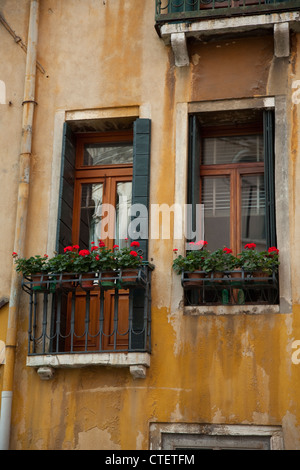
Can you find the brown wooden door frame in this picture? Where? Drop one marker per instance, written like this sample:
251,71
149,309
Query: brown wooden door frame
109,176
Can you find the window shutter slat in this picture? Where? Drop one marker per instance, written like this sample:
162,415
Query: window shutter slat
66,191
268,119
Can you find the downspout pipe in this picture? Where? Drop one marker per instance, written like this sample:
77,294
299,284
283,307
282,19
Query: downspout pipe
20,227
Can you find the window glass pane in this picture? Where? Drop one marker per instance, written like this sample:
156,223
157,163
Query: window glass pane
106,154
232,149
124,191
216,200
90,214
253,211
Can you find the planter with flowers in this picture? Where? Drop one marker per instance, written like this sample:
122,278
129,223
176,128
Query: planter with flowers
221,263
62,267
129,263
220,270
259,264
106,265
110,268
193,267
98,262
35,268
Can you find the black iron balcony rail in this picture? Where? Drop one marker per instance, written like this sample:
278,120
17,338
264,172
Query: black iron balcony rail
186,10
97,312
237,287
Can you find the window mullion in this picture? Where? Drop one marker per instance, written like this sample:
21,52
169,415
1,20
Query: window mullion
236,210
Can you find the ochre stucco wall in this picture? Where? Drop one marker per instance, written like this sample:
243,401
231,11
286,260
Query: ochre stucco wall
233,369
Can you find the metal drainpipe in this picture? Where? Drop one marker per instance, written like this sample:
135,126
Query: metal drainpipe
20,228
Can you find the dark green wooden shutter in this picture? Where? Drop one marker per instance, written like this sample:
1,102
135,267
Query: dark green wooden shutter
140,195
141,171
268,120
193,171
66,193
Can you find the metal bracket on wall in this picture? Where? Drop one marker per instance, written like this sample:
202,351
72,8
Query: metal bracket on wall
19,41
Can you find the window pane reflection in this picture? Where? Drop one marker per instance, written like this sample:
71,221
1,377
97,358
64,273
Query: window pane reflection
106,154
124,191
233,149
90,214
253,211
216,200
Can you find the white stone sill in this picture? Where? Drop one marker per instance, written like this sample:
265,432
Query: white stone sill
218,310
136,362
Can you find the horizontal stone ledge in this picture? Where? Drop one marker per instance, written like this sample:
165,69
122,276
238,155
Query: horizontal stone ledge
78,360
235,24
231,310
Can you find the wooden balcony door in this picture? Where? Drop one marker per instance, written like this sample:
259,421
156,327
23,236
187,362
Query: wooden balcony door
102,197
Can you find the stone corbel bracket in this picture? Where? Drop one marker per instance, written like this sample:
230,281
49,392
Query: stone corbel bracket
177,34
281,40
178,43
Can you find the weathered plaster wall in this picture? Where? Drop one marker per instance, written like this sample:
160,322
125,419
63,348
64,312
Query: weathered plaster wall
227,369
12,75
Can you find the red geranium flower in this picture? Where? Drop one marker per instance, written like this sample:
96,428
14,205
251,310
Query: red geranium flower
116,246
250,246
14,254
101,244
75,247
84,252
175,249
273,250
68,248
95,247
227,250
135,243
133,253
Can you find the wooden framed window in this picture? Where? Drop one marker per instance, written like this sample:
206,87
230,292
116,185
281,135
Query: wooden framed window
231,172
103,178
102,165
232,187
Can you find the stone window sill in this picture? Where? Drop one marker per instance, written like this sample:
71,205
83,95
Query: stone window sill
46,364
231,310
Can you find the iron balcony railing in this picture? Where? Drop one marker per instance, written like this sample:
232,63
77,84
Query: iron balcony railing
186,10
108,312
237,287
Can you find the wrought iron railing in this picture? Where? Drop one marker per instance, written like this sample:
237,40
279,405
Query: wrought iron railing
175,10
237,287
108,312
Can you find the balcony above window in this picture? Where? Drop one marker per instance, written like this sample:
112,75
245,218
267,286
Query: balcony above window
178,20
